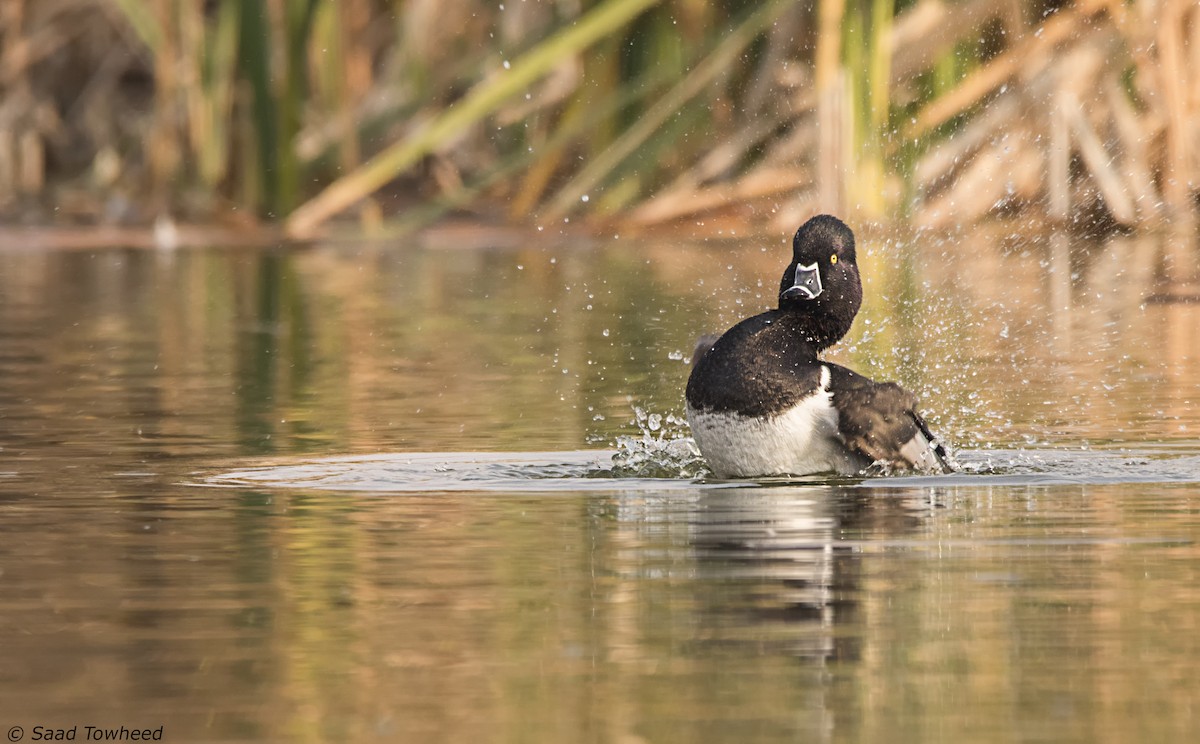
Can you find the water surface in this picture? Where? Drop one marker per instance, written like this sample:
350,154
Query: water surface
367,493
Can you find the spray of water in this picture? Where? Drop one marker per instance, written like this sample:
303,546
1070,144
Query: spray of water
663,449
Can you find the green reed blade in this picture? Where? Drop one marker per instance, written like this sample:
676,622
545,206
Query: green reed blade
482,100
650,122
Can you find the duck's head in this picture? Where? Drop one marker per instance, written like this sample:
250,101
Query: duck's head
822,280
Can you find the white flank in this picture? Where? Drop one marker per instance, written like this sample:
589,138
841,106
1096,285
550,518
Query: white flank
801,441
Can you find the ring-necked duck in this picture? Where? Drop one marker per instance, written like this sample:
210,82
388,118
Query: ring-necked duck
760,401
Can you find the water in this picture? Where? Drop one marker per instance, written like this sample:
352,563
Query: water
433,492
663,466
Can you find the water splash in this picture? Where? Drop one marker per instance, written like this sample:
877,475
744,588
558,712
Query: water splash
664,448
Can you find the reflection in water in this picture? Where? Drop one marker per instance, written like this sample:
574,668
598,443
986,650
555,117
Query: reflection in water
1052,603
332,351
791,581
792,558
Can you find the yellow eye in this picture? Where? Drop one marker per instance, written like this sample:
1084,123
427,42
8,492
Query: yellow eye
833,259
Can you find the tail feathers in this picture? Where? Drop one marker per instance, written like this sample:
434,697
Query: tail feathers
703,345
924,451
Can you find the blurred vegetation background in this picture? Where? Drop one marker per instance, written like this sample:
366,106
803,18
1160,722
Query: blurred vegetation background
641,112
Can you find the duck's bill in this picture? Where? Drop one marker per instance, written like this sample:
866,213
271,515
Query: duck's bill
806,286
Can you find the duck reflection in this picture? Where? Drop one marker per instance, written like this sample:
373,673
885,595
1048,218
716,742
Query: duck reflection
778,567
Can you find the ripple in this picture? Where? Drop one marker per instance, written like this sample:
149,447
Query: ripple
582,470
609,470
1059,466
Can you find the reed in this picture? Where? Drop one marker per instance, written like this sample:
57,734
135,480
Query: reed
641,111
484,99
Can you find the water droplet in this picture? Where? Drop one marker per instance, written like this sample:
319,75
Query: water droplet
604,333
583,198
507,66
675,355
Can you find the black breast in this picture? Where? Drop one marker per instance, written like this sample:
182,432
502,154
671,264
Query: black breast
760,367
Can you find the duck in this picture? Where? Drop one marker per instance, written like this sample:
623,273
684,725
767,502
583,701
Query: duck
761,401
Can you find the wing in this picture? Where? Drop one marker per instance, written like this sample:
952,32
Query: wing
880,420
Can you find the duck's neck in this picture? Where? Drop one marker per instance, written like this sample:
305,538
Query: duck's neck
818,330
